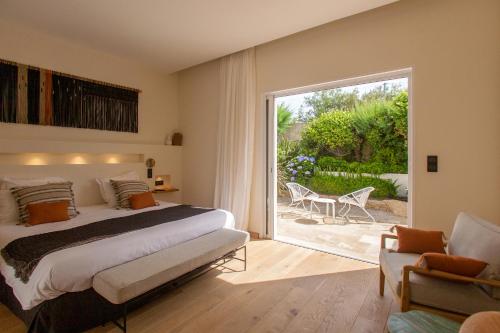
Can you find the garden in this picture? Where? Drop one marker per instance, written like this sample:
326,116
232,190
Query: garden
346,141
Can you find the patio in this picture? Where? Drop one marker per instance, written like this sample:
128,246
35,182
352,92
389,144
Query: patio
357,237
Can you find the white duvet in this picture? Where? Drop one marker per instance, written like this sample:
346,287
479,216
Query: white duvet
72,269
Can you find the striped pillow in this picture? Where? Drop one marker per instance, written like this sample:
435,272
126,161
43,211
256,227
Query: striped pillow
26,195
125,188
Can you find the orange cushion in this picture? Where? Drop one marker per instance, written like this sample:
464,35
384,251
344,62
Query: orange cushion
142,200
419,241
452,264
47,212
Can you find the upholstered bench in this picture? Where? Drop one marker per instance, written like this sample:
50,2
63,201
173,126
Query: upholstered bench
127,282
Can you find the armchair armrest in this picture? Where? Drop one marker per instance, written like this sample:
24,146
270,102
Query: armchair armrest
384,237
448,276
405,287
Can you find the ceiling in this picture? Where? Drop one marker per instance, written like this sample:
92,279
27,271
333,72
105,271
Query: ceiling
176,34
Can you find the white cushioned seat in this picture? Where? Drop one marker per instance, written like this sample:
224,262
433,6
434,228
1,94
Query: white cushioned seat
465,298
124,282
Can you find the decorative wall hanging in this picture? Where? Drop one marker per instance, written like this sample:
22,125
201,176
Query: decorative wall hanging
30,95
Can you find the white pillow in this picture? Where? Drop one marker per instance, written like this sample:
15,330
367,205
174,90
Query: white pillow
8,206
9,182
107,191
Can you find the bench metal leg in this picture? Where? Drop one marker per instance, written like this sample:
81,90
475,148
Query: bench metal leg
123,325
245,255
244,260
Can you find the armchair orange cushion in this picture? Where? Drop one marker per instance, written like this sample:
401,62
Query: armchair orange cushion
47,212
142,200
451,264
419,241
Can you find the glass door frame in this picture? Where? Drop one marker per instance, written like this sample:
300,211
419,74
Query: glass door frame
271,138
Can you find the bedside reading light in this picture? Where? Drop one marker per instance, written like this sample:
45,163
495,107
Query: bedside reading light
150,163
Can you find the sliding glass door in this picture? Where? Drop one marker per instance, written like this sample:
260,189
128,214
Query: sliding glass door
339,163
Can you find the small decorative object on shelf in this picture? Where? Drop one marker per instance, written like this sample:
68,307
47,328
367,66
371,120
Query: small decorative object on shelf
177,139
168,140
162,184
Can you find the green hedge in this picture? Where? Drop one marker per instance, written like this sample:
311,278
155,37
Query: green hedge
340,185
328,163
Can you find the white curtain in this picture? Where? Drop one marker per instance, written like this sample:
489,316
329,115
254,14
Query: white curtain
236,135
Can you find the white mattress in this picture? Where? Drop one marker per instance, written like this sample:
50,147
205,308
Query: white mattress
72,269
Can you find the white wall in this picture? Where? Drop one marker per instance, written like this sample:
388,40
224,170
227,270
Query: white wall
452,46
198,107
158,111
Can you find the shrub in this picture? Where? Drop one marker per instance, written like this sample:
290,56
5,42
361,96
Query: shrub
388,134
400,106
328,163
340,185
373,134
286,151
331,134
300,169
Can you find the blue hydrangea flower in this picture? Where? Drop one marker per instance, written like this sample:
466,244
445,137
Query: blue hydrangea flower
292,179
312,159
300,158
294,172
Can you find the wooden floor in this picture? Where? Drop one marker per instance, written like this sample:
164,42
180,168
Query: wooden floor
285,289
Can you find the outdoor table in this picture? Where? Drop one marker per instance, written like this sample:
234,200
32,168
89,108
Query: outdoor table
326,201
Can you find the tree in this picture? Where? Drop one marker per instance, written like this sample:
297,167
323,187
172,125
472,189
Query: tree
332,133
341,99
328,100
400,106
383,93
284,118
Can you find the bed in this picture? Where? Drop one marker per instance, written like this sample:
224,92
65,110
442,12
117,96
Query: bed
60,284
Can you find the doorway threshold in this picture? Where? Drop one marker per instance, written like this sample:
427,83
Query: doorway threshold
322,248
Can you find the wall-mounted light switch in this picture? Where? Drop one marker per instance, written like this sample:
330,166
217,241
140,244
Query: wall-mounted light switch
432,163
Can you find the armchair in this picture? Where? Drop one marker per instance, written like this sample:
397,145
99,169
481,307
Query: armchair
449,295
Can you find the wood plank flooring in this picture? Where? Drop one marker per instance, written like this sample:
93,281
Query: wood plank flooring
285,289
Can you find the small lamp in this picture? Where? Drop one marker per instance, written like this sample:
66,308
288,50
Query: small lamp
150,163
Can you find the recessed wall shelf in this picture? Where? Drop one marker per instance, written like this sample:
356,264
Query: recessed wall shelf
166,191
68,158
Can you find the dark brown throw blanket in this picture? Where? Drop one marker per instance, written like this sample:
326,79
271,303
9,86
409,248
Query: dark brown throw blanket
25,253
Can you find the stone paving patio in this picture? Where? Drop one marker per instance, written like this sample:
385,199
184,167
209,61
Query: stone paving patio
357,237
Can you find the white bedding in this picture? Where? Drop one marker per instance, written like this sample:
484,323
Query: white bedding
72,269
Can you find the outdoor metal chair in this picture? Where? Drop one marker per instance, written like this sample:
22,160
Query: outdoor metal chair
357,198
299,193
